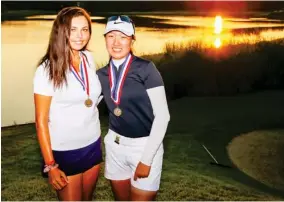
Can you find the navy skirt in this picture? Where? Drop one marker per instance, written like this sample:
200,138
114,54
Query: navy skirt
77,161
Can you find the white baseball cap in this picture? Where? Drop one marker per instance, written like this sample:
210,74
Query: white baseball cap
120,23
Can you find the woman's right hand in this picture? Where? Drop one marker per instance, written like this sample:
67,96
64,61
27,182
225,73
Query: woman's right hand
57,178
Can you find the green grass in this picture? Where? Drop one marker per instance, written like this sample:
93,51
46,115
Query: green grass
187,172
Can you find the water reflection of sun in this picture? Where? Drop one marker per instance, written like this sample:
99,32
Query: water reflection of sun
217,42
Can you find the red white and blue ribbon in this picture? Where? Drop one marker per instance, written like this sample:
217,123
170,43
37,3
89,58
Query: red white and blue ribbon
83,79
116,81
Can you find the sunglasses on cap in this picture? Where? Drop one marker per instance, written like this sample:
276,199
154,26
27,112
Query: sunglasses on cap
123,18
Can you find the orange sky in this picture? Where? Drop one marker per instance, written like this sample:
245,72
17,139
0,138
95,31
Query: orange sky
217,6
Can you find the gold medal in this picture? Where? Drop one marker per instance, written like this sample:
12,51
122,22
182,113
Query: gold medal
85,84
116,82
117,111
88,102
116,139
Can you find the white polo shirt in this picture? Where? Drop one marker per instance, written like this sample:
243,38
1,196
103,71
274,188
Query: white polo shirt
72,125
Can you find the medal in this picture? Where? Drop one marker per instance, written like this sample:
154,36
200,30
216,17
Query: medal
84,82
116,139
88,102
117,111
117,81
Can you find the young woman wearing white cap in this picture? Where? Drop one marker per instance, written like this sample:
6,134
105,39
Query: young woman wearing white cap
138,116
66,90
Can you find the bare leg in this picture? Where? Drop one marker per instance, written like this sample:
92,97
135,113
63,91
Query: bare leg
142,195
90,178
121,189
73,190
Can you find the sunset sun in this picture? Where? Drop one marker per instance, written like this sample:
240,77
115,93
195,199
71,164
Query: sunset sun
218,24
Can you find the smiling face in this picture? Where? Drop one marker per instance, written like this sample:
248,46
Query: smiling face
79,33
118,44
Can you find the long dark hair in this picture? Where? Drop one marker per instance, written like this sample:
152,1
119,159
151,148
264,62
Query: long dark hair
57,57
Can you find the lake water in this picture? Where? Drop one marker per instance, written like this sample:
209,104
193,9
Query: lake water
24,42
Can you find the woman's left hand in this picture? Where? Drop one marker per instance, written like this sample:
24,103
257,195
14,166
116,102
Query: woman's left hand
142,171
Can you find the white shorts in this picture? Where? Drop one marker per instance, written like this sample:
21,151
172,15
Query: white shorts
122,159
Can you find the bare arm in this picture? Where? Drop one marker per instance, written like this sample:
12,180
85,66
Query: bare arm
42,106
57,178
43,92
